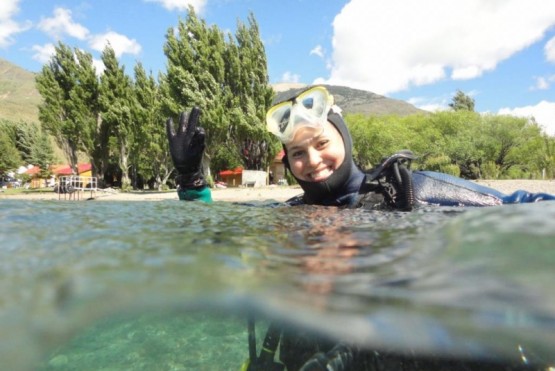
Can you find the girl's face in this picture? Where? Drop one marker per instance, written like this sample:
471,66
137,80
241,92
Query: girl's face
315,154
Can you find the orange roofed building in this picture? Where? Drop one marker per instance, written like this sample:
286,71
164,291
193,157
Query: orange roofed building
84,170
239,176
233,177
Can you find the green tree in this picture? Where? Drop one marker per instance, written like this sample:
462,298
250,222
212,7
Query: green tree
546,159
151,155
461,143
227,79
377,136
58,113
116,100
10,158
460,138
95,134
247,77
34,145
195,76
461,101
69,112
512,144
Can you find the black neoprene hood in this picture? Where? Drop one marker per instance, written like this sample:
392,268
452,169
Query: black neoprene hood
340,182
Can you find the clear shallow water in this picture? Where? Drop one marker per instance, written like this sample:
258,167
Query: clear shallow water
167,285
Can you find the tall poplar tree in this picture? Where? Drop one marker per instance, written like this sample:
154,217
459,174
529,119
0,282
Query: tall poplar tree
59,111
250,83
94,136
116,100
227,79
150,153
195,76
69,112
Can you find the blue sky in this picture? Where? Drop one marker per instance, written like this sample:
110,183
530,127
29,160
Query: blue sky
501,52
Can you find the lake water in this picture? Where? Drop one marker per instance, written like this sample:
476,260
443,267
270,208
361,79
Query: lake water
89,285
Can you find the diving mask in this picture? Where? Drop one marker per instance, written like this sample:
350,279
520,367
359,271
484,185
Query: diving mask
310,108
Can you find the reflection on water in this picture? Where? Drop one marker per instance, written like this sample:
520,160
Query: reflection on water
167,285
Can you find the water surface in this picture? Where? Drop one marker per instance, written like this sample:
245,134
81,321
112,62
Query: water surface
168,285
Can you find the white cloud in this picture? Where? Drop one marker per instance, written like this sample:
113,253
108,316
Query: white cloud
98,66
62,24
549,50
8,8
180,5
433,107
274,39
430,104
389,46
290,77
543,113
543,82
43,53
438,103
318,51
9,27
120,43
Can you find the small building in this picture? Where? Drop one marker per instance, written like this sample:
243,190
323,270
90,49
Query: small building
232,177
277,169
246,178
35,179
83,170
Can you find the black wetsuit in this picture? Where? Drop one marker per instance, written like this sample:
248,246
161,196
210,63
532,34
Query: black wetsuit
389,185
402,189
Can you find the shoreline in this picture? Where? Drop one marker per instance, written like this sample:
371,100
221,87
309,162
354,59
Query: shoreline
245,194
232,194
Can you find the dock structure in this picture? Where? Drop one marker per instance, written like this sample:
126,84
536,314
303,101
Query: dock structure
74,187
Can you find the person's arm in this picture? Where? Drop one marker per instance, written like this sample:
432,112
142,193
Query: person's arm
202,194
447,190
186,149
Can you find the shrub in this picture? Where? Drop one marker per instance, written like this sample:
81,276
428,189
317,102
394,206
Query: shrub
490,170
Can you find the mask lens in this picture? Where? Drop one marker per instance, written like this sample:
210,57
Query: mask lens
309,108
316,100
308,102
277,118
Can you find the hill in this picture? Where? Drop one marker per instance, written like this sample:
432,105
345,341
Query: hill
354,100
19,98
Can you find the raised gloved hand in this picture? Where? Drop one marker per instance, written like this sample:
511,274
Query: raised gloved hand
187,149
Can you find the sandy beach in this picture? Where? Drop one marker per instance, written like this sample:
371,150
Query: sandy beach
244,194
236,194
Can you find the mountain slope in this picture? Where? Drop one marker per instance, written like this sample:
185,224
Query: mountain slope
19,98
355,100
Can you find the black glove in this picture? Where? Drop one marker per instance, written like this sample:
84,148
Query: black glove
187,149
393,179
